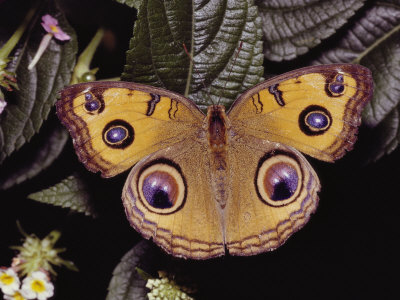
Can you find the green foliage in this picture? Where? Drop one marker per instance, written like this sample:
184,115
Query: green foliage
25,114
126,282
292,28
212,33
70,192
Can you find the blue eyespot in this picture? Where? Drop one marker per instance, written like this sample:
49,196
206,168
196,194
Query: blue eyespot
317,120
88,96
160,189
92,105
336,88
281,181
116,134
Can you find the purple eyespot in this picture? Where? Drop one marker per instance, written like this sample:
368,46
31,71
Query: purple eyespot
281,181
88,96
336,88
160,189
116,134
92,105
317,120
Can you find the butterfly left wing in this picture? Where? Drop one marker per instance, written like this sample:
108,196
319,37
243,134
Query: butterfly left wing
316,110
115,124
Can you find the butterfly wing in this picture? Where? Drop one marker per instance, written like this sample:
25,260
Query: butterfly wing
274,191
115,124
316,109
168,197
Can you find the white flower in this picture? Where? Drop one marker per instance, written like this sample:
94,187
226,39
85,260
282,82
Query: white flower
37,285
17,296
9,281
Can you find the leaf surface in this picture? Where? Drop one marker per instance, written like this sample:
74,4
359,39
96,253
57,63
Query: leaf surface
211,31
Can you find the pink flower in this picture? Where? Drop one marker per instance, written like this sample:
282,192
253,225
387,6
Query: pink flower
51,26
53,30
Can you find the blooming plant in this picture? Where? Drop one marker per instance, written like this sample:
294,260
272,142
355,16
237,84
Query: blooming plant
33,262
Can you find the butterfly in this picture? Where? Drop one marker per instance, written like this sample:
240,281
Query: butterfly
231,181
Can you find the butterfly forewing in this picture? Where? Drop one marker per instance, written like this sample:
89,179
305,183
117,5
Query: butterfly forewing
317,109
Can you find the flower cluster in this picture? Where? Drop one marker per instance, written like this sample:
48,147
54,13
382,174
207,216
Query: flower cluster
33,264
34,286
165,288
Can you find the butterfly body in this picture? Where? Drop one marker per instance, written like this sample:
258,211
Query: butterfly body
203,184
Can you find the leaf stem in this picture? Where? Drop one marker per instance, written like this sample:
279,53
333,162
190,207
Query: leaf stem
191,60
376,44
84,60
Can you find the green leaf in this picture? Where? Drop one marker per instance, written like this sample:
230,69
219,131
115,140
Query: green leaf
131,3
126,282
41,151
29,106
291,28
212,33
386,136
71,192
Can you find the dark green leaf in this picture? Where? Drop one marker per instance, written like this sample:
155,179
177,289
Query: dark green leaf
291,28
212,33
29,106
126,282
386,136
71,192
42,151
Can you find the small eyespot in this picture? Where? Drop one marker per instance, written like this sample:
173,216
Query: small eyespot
118,134
92,106
88,96
278,179
161,187
337,87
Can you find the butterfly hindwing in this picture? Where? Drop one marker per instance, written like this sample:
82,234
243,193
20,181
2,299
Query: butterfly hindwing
272,198
169,199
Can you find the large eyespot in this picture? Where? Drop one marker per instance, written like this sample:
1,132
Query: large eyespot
161,187
315,120
93,105
118,134
278,179
336,86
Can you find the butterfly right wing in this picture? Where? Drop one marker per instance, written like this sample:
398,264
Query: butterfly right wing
115,124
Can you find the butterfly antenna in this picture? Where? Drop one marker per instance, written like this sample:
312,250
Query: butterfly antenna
230,71
204,86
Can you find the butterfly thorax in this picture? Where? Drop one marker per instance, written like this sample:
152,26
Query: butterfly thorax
217,125
217,128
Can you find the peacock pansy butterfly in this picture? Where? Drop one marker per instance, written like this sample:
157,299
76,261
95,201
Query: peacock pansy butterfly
229,180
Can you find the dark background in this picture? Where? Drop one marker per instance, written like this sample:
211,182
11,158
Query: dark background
349,248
